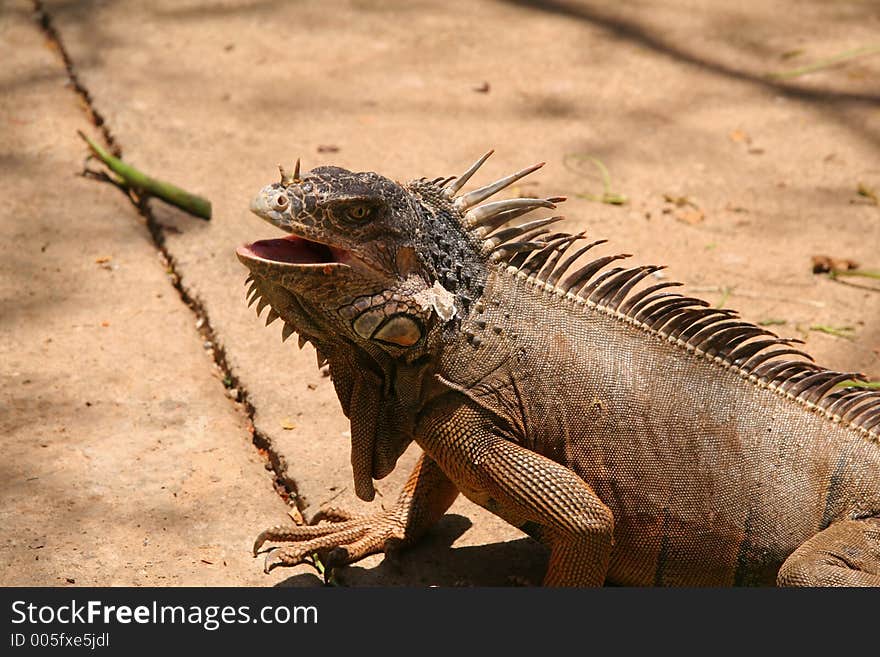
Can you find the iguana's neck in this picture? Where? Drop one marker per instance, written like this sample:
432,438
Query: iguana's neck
448,254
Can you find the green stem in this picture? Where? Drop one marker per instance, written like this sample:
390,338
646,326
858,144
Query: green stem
608,196
142,183
725,295
837,331
866,273
859,384
826,63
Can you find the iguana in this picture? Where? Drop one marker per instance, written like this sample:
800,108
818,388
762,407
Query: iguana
643,436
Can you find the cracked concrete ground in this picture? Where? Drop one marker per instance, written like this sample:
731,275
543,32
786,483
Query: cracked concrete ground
212,95
124,461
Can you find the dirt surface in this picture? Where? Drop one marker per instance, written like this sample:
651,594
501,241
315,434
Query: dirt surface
732,178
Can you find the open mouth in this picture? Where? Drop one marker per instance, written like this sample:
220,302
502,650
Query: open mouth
293,250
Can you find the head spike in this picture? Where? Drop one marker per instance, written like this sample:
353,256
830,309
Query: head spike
488,225
560,247
575,281
812,388
516,231
286,178
557,273
753,363
846,399
481,215
452,188
518,259
514,247
533,262
472,198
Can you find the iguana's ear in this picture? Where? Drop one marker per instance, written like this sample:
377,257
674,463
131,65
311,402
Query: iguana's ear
407,261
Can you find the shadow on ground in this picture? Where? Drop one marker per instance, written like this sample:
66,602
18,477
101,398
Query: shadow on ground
434,562
835,103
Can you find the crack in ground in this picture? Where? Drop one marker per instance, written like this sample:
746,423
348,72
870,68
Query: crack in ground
284,485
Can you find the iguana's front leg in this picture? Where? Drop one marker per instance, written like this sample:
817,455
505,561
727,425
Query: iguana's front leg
528,490
427,495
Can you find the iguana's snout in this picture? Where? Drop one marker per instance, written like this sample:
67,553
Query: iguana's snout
272,204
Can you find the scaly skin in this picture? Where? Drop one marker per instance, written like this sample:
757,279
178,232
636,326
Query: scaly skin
644,438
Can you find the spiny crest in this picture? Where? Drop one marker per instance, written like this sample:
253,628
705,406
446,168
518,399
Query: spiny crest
532,251
483,219
254,295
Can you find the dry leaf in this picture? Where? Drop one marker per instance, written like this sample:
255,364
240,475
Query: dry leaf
689,215
296,515
867,192
823,264
740,137
678,201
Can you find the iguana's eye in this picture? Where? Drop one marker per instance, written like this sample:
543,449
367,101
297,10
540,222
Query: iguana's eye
358,212
280,201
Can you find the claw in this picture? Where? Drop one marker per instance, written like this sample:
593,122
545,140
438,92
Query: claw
281,556
269,563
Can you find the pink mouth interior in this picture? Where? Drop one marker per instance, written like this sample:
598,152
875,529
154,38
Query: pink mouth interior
293,250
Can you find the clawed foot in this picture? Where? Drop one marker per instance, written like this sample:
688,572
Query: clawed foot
338,540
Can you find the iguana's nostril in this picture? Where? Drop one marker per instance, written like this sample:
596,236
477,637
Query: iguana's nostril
280,201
